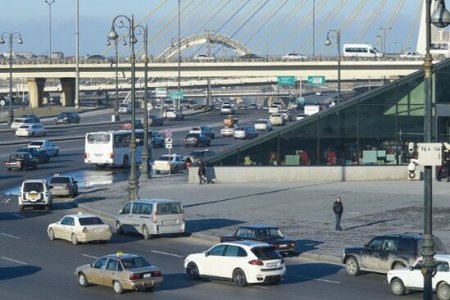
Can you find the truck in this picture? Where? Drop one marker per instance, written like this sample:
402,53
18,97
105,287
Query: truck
20,161
264,233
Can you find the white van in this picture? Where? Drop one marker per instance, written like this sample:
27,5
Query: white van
151,217
361,50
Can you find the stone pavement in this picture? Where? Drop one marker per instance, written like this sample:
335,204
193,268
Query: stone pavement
301,209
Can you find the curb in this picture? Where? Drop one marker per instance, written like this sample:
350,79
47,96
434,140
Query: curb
205,237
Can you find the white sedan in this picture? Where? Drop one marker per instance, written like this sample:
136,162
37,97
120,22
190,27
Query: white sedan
172,162
405,279
243,262
46,145
31,130
80,228
263,125
411,54
228,131
294,56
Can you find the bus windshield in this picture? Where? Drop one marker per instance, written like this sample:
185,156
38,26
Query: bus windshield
98,138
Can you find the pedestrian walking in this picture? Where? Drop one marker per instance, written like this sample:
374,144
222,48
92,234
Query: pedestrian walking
338,209
201,172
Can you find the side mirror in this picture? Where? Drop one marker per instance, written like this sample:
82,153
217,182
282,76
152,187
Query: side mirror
50,186
120,212
206,253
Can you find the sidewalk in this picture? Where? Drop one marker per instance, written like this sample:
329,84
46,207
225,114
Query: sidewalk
301,209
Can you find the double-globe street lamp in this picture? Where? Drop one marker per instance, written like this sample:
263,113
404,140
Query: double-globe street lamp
116,48
336,34
439,18
122,21
10,36
143,31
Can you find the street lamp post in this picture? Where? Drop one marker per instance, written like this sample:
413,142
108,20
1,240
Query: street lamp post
122,21
336,34
440,18
10,36
145,153
116,52
50,28
179,53
384,29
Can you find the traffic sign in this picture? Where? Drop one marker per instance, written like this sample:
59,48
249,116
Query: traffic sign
161,92
168,141
286,80
316,80
430,154
168,146
168,133
176,95
2,102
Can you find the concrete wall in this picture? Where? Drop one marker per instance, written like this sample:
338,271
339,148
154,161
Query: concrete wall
287,173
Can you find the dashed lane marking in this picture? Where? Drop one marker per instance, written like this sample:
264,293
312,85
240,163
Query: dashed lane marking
317,279
10,236
6,200
166,253
90,256
13,260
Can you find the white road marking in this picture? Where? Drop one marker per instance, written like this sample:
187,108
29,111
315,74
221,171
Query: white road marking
9,235
90,256
13,260
317,279
166,253
6,201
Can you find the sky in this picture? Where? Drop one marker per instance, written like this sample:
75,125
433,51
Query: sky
267,27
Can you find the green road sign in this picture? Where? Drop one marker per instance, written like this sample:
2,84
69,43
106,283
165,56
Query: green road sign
176,95
286,80
161,92
316,80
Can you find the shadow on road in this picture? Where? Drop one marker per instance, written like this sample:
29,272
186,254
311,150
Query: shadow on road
20,271
208,224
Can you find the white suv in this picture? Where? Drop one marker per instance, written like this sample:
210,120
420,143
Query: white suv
243,262
35,193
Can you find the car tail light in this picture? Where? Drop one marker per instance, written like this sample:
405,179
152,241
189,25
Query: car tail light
85,230
157,274
85,155
111,155
135,276
67,187
256,262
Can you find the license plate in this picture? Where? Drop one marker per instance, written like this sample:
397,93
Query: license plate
147,275
98,154
282,245
272,264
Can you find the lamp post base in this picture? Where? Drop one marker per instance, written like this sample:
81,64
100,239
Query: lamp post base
10,116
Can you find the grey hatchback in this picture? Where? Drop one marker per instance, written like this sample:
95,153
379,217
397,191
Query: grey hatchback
67,117
386,252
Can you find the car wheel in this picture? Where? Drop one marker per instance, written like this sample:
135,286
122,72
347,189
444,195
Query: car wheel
398,265
119,229
51,234
74,239
239,277
352,266
21,208
117,287
145,233
82,280
126,162
397,287
443,291
192,271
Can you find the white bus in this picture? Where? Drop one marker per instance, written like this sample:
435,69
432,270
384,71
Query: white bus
361,50
440,50
111,148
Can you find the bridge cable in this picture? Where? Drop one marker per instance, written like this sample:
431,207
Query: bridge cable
413,29
370,21
245,23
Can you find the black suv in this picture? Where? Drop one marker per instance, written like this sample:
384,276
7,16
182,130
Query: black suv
386,252
67,118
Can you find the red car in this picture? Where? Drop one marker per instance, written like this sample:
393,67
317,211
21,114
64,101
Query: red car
127,125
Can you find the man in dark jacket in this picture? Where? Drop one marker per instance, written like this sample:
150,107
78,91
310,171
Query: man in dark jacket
201,171
338,209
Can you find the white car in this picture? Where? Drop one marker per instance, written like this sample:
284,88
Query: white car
300,117
277,119
79,228
31,130
172,162
286,114
173,114
243,262
24,121
273,109
35,193
294,56
228,131
46,145
227,108
405,279
124,109
411,54
203,57
263,125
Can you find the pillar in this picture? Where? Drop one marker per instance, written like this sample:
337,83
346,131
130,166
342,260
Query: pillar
68,91
36,91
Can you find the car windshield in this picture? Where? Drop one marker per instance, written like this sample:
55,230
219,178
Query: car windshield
165,158
36,144
135,262
266,253
90,221
269,233
60,179
33,187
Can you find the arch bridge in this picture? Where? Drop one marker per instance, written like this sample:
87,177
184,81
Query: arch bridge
205,38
